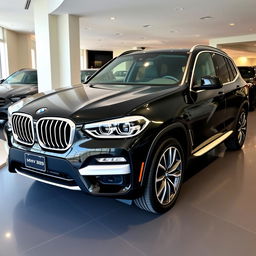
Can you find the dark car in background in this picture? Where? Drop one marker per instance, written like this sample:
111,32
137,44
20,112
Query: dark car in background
131,134
15,87
249,75
87,73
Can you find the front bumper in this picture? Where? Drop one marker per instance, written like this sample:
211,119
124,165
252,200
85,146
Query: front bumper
102,179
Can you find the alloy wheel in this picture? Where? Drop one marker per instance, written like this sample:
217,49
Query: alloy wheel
242,127
168,175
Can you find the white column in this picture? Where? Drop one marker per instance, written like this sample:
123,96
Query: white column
69,49
57,47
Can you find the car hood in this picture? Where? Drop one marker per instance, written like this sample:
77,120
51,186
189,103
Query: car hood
13,90
85,103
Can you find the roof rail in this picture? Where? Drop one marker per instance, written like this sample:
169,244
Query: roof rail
129,51
206,46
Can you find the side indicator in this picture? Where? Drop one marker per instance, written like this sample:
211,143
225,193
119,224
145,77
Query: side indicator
141,171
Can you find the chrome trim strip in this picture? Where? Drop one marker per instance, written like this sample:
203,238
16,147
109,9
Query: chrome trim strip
46,174
22,133
49,182
93,170
212,145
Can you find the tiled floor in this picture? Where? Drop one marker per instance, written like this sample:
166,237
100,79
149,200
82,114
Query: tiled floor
215,214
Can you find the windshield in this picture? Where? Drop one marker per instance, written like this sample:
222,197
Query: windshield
22,77
247,72
144,68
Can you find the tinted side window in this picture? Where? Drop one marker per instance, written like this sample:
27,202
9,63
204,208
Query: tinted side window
231,74
204,67
232,68
221,68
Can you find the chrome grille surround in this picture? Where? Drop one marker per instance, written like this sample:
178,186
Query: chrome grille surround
2,102
23,128
55,133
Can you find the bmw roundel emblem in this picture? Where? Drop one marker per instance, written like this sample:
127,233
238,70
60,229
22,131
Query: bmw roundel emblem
41,110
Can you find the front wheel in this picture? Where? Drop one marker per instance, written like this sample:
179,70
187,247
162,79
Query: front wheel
236,140
165,178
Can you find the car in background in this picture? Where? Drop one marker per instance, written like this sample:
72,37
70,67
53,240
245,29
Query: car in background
249,75
87,73
15,87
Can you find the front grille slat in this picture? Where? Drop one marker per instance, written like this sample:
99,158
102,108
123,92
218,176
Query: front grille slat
23,129
51,133
20,127
55,133
2,102
65,133
61,137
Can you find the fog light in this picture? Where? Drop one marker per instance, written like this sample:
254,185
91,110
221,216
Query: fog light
111,179
111,160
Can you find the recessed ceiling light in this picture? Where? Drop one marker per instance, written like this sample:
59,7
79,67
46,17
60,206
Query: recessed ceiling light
179,9
232,24
147,26
206,18
112,18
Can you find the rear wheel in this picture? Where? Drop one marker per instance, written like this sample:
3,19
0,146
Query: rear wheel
165,178
236,140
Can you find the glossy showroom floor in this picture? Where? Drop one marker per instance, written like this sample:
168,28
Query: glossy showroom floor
215,214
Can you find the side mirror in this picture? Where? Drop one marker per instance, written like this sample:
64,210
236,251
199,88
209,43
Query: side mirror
1,81
209,83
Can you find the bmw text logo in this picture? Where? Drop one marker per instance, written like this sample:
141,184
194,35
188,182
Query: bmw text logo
41,111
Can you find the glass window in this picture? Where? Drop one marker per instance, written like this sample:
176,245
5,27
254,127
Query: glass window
234,70
204,67
22,77
230,71
221,68
144,68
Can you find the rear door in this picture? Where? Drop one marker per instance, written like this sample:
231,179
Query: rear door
233,88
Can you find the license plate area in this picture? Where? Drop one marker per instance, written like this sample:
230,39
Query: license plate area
35,162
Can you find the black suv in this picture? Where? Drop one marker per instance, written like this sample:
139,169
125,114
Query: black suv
132,138
248,73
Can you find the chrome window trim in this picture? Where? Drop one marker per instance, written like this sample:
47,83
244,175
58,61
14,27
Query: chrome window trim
72,132
194,65
32,128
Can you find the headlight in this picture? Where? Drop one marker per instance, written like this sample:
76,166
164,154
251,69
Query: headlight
125,127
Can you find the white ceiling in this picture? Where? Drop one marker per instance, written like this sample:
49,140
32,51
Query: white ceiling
172,26
174,23
13,16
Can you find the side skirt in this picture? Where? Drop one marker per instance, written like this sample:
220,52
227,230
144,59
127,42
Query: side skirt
211,145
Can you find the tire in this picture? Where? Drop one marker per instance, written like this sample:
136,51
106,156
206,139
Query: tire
164,179
236,140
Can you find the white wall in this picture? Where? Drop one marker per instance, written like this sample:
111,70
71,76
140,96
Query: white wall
18,50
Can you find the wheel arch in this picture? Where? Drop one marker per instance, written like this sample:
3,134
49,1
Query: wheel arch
175,130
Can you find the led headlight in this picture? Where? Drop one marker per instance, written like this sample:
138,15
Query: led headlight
125,127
